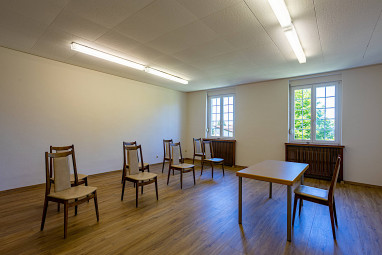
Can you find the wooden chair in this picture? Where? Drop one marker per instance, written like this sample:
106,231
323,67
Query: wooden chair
177,163
82,178
133,173
64,192
209,157
166,151
198,151
146,166
320,196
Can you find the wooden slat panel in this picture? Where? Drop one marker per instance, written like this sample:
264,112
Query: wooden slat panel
321,158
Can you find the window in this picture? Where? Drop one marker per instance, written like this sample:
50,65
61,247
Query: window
315,113
221,116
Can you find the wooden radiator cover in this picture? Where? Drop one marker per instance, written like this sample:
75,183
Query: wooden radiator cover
321,158
225,149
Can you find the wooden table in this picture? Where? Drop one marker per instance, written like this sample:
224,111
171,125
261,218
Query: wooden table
281,172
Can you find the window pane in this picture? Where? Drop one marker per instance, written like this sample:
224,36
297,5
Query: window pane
230,100
325,113
330,102
298,124
306,114
225,99
230,116
298,104
320,103
225,108
306,93
298,94
320,92
330,91
306,103
298,115
306,124
306,134
330,113
230,108
298,134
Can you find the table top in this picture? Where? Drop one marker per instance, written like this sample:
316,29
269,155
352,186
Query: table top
281,172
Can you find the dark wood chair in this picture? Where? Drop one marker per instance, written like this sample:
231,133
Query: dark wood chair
320,196
64,192
177,163
166,152
82,178
146,166
133,173
198,151
208,157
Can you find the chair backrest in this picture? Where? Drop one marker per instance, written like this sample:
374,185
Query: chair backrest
58,149
130,157
60,163
197,145
335,177
207,149
166,148
176,154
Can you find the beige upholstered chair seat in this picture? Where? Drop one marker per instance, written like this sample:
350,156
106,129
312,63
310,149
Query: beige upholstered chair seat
312,192
142,176
73,192
144,165
183,166
214,160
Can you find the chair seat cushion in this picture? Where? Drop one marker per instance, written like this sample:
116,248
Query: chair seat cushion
312,192
73,192
139,164
143,176
199,154
182,166
214,160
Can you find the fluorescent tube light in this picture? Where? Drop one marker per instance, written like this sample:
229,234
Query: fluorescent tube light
165,75
294,42
106,56
281,12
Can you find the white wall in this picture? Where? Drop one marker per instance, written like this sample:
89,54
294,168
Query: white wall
45,103
262,122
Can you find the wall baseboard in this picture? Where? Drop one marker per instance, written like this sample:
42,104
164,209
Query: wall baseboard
363,184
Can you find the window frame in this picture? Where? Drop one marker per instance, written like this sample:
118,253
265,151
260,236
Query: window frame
221,96
338,111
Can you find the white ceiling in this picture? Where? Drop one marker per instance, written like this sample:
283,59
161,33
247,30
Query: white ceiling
211,43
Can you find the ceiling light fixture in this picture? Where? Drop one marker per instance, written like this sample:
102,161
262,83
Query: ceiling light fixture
283,16
165,75
122,61
106,56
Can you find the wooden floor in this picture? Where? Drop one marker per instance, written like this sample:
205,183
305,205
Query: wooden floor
199,219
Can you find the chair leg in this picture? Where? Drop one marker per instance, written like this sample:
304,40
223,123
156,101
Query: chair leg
294,208
156,187
96,205
168,177
201,172
335,213
123,174
332,220
223,168
148,168
76,207
193,172
58,207
163,165
44,213
86,183
136,194
66,212
299,207
181,179
123,189
212,166
142,189
193,160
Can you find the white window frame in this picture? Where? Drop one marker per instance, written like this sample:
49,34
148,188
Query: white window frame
208,135
338,111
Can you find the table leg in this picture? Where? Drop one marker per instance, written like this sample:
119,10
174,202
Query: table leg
289,207
240,198
302,179
270,190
